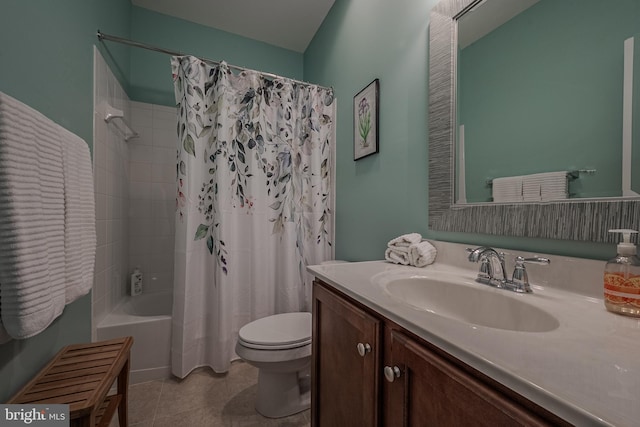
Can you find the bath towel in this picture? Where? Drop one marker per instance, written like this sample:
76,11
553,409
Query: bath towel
79,217
422,254
47,228
32,258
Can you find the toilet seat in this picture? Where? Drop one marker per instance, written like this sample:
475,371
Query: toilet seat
277,332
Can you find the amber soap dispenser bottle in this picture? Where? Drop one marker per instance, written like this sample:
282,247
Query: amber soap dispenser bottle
622,278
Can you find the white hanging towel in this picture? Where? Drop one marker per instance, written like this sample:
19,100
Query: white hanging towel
79,218
36,255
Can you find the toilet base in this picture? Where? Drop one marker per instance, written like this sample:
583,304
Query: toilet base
282,394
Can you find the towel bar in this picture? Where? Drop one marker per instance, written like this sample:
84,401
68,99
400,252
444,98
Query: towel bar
574,174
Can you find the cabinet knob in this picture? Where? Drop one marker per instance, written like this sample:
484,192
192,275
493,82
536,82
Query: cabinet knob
392,373
363,349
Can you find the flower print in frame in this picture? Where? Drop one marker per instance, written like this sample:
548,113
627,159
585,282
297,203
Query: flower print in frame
365,121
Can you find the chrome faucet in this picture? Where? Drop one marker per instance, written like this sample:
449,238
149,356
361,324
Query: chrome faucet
492,270
493,273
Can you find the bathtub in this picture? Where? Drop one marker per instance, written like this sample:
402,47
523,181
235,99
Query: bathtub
147,318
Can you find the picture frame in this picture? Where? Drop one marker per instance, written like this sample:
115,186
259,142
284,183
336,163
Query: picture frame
366,109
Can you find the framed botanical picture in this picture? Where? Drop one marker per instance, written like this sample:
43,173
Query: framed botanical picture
365,121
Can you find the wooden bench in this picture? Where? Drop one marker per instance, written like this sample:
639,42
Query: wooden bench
80,375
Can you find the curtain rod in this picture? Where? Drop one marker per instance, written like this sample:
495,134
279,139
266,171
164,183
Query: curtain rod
102,36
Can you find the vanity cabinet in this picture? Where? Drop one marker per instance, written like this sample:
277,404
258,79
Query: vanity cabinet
345,362
399,379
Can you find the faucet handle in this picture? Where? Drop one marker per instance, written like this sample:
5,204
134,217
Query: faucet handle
520,278
533,260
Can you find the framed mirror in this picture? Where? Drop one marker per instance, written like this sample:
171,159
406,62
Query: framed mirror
568,219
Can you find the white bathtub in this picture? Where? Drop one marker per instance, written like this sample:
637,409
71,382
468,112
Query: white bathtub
147,318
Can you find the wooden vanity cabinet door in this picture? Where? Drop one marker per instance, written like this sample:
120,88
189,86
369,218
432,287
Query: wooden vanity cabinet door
344,384
431,391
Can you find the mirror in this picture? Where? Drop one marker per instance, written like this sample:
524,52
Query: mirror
540,89
582,219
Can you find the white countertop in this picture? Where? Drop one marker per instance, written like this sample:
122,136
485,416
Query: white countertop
587,371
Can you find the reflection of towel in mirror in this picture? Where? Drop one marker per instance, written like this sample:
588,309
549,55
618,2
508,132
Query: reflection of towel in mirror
405,240
397,255
422,254
507,189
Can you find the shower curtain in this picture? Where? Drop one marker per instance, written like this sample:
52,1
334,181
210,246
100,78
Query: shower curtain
254,193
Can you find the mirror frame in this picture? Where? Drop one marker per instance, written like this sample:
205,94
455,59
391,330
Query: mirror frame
582,219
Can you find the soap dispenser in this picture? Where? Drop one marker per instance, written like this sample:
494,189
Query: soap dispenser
622,278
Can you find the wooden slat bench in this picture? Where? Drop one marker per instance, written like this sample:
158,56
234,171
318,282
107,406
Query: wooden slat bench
80,375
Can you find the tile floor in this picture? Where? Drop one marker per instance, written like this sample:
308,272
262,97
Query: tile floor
203,399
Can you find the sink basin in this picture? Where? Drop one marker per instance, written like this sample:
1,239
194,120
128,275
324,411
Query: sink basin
472,303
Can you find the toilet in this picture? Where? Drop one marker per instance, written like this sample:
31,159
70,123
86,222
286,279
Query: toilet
280,347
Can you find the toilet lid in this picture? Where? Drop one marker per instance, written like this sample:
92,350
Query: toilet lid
280,331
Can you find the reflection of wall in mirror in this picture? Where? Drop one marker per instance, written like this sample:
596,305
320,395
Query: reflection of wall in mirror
544,93
635,114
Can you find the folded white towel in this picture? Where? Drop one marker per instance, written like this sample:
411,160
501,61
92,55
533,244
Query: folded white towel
405,240
32,207
397,256
422,254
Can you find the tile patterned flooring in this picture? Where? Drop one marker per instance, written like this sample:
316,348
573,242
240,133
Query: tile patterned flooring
203,399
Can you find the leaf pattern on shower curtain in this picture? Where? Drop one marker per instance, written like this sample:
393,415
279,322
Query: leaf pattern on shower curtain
262,135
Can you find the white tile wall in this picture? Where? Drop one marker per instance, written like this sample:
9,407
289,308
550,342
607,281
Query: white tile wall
135,194
111,172
152,194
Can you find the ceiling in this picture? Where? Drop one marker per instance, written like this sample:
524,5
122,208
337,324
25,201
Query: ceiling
290,24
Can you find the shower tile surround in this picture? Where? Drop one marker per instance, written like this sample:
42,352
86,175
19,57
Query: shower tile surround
111,171
135,195
152,159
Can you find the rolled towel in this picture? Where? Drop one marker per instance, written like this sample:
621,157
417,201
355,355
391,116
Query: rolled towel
422,254
405,240
397,256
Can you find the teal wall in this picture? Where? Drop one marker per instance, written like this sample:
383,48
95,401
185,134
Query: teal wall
385,195
47,55
47,63
543,93
150,77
